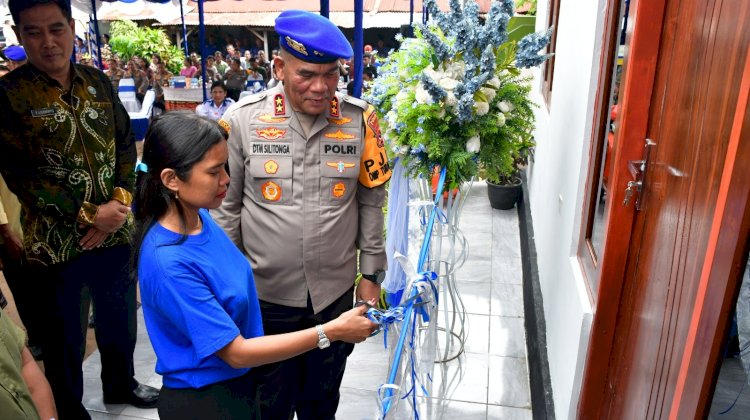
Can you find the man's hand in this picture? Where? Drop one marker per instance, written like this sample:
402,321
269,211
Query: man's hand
111,216
368,290
13,243
93,238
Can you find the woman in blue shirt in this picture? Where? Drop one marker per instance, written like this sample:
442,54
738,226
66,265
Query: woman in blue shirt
197,290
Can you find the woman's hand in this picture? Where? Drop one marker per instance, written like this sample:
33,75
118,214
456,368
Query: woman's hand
352,326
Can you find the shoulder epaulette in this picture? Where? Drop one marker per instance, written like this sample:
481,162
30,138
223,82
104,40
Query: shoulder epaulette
250,99
355,101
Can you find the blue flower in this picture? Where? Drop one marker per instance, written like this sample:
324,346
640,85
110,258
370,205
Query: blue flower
529,46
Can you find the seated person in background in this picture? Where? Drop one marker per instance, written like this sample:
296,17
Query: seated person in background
25,393
160,81
188,70
235,79
215,107
212,74
204,319
140,77
115,73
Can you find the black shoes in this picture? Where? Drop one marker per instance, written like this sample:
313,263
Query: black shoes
142,397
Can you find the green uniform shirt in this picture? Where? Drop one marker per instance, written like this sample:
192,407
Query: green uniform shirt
15,398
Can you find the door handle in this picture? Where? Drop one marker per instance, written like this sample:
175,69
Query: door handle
637,169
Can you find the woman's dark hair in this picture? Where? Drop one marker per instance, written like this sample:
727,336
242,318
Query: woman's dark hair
18,6
175,140
236,61
218,83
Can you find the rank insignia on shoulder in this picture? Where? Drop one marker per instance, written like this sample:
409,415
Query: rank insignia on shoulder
225,125
340,166
271,167
335,112
339,121
268,118
279,106
271,191
270,133
338,190
339,135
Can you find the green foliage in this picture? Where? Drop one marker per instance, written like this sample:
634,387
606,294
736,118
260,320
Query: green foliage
532,10
128,40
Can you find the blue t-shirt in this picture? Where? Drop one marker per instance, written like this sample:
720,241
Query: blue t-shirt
197,297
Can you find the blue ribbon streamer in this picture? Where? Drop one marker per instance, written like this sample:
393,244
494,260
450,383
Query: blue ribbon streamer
410,305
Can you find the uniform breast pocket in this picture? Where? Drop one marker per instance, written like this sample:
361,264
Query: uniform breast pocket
338,180
271,179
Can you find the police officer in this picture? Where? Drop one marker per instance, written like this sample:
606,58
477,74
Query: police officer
16,56
215,107
307,169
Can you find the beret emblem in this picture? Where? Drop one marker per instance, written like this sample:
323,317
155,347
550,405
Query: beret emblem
296,46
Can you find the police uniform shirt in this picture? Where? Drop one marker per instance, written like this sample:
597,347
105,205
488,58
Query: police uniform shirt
300,205
210,110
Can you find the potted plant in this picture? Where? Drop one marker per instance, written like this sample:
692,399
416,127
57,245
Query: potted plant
453,97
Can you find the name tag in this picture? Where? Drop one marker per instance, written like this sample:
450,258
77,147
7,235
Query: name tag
283,149
44,112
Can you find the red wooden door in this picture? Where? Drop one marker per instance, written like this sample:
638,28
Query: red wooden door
699,70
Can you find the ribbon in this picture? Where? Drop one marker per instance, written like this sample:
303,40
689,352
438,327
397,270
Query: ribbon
416,292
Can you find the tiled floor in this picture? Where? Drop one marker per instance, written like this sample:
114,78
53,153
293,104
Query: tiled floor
488,381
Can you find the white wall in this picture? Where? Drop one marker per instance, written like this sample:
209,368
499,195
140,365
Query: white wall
556,186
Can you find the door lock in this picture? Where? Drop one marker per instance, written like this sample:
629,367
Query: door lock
638,169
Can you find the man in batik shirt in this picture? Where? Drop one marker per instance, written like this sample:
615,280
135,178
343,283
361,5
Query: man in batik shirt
67,152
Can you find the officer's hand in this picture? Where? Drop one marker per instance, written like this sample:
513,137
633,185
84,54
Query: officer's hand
368,291
351,326
111,216
93,238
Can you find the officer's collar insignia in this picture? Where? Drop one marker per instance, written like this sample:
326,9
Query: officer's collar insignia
270,133
296,46
338,190
339,121
279,105
340,166
271,167
225,125
339,135
268,118
335,107
271,191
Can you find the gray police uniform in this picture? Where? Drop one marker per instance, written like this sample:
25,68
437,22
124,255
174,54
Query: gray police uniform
301,205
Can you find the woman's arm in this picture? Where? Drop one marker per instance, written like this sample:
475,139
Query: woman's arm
351,327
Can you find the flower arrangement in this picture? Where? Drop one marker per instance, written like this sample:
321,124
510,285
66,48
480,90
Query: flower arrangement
453,97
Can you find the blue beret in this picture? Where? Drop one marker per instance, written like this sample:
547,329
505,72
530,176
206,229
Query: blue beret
15,53
311,37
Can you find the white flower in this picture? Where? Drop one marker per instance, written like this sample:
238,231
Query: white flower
391,117
403,150
481,107
451,100
505,106
422,96
500,119
441,114
473,145
402,95
448,83
489,93
494,82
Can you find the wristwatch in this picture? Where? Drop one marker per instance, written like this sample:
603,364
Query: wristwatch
323,341
377,277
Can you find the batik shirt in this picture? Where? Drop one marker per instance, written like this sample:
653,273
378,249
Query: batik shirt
64,154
